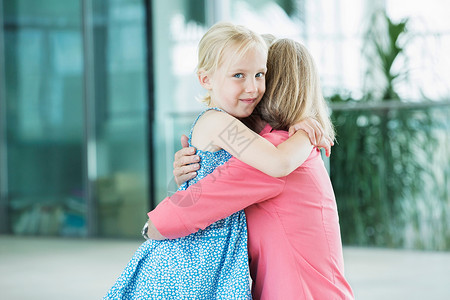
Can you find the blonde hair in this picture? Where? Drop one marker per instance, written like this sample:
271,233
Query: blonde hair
293,90
220,38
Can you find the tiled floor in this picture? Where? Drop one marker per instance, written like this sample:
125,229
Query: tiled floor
45,268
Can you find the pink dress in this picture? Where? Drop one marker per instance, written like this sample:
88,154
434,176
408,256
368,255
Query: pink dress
294,241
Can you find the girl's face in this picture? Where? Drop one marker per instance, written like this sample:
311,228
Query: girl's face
238,84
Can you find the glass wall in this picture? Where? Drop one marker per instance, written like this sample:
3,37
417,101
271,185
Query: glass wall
3,161
44,117
119,116
74,115
177,26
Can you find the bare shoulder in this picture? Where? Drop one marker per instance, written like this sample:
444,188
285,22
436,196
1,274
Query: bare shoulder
216,116
208,127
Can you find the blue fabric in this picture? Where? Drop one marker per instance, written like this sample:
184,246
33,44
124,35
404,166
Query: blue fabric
209,264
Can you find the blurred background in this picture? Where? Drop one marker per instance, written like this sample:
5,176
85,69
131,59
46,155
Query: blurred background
95,94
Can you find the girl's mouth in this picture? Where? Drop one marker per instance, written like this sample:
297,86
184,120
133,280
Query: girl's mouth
248,100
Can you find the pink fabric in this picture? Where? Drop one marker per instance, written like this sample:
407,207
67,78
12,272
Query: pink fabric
294,239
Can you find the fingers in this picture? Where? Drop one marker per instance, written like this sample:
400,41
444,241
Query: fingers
180,156
185,166
330,140
184,141
186,150
315,132
312,133
182,179
185,172
326,143
184,159
311,127
185,162
328,149
185,169
326,146
306,128
316,128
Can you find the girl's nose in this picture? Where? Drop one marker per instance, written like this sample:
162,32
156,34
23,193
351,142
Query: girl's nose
251,85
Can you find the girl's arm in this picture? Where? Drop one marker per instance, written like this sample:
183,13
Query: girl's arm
186,162
315,132
226,132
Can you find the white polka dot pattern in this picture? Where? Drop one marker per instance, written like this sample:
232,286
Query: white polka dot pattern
208,264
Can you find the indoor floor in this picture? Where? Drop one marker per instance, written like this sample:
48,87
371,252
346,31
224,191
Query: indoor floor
74,269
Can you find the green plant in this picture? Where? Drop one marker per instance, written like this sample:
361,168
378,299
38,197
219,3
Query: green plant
385,43
383,174
385,184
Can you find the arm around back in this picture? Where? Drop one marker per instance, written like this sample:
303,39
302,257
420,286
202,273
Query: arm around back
230,188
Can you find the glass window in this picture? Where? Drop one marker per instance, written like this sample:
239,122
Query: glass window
426,49
77,164
177,31
44,110
121,112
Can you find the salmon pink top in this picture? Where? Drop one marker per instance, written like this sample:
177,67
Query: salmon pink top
294,241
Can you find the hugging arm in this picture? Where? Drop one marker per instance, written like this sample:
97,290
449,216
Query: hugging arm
186,162
230,188
230,134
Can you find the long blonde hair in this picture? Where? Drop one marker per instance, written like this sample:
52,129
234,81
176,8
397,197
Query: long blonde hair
222,37
293,90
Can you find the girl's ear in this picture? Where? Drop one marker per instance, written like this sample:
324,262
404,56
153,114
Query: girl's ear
204,79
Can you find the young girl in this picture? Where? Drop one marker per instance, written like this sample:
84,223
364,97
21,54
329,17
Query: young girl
294,242
212,263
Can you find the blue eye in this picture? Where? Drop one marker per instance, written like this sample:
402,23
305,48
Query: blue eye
260,74
238,75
